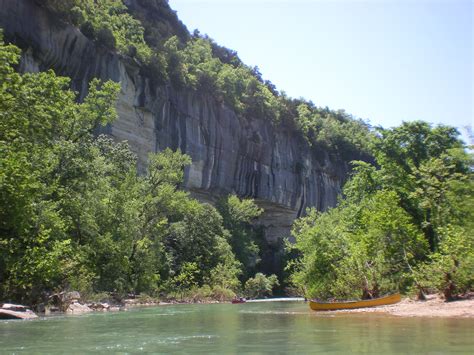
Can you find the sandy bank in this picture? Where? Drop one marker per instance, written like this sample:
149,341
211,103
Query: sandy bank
434,306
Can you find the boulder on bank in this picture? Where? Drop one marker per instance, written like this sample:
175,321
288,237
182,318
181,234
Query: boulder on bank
16,311
63,298
99,306
77,308
70,296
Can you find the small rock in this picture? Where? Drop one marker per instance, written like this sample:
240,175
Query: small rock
71,296
77,308
130,301
99,306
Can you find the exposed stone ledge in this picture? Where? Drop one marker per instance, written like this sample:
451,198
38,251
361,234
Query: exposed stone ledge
15,311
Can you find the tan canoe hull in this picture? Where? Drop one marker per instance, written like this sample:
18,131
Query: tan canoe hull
331,306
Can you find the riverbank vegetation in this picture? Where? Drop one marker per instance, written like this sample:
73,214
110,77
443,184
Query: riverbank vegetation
75,214
404,223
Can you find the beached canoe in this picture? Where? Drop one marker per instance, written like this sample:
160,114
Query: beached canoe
331,306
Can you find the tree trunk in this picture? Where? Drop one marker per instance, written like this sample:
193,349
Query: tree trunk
449,289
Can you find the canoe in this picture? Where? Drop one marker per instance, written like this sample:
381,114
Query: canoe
331,306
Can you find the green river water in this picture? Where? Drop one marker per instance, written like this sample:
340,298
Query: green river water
272,327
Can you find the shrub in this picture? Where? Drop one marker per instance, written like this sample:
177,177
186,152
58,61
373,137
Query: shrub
261,285
155,68
222,294
88,30
106,38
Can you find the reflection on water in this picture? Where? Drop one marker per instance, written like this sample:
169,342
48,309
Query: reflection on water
278,327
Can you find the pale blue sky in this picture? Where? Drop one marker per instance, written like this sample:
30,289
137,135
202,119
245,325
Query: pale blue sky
381,60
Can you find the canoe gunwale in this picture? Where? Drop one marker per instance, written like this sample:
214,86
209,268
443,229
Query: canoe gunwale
374,302
356,301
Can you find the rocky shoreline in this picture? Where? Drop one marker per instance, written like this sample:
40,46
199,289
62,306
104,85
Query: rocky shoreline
71,303
433,306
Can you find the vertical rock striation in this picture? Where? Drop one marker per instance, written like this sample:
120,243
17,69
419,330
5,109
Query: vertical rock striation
248,156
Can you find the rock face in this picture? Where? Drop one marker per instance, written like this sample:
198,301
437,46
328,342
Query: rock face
15,311
77,308
247,156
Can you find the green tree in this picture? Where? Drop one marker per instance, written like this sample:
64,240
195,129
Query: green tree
113,25
401,224
41,124
186,279
238,216
408,155
74,211
177,71
449,270
261,285
354,251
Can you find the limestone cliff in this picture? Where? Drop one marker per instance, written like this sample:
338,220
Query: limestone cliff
248,156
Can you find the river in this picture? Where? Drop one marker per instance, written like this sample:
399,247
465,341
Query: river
271,327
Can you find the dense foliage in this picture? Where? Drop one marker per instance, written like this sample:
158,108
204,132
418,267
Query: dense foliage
74,213
238,216
260,285
405,223
105,21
